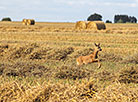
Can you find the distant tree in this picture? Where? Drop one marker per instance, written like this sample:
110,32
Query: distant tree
107,21
133,19
6,19
94,17
120,21
124,19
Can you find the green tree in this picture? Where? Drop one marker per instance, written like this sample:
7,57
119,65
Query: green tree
94,17
120,21
6,19
107,21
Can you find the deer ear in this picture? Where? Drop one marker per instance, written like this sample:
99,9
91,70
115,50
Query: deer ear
99,44
95,44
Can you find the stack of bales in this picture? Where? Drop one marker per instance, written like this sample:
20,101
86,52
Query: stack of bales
94,25
28,22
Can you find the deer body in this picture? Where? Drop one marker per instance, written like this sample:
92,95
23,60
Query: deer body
90,58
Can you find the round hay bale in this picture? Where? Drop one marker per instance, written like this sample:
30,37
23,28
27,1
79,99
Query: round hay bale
96,25
80,25
24,21
30,22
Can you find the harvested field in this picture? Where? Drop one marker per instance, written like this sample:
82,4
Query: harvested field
38,63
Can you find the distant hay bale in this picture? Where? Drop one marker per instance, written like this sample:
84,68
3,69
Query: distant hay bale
24,21
81,25
96,25
28,21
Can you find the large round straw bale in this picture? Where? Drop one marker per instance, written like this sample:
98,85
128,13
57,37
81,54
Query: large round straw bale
80,25
24,21
96,25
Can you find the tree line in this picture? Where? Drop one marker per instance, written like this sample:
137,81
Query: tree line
117,18
98,17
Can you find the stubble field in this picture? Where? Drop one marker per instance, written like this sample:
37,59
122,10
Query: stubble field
38,63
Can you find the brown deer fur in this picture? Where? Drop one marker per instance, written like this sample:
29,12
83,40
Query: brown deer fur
90,58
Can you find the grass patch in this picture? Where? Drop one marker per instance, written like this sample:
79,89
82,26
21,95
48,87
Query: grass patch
129,75
131,58
70,72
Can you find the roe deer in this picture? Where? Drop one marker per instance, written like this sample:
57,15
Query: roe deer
90,58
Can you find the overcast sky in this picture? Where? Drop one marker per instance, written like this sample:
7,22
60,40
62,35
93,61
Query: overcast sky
66,10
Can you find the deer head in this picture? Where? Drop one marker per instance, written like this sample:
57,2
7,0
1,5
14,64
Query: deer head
97,47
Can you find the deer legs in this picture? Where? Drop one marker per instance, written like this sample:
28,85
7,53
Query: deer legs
99,64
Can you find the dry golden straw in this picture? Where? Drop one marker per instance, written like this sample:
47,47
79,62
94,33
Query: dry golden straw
81,25
24,21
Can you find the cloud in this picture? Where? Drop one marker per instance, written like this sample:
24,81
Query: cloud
118,3
2,8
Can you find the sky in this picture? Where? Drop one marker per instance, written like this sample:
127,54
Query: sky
66,10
